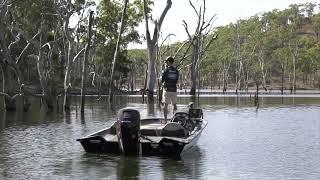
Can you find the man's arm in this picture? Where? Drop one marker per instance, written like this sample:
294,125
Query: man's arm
177,75
163,76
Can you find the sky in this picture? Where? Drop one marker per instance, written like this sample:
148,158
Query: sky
227,11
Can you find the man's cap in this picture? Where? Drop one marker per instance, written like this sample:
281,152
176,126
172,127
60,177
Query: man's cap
169,59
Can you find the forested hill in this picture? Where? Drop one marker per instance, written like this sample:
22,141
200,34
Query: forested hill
274,50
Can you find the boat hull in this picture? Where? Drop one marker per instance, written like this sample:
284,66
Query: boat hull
105,141
99,145
165,147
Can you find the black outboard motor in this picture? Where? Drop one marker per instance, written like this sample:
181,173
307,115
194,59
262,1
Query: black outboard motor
128,130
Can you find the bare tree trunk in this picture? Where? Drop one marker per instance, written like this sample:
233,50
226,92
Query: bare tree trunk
132,78
193,67
67,82
294,54
145,83
152,55
153,46
8,72
10,102
282,77
70,59
84,64
111,86
238,60
197,41
46,94
240,74
247,78
225,75
263,70
294,58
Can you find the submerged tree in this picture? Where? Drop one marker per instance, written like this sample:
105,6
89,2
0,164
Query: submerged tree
152,45
85,60
122,24
200,40
11,38
106,37
9,69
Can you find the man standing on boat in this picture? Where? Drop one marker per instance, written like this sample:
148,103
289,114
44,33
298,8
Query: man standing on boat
169,80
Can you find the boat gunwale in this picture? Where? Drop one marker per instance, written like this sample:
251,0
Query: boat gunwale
185,140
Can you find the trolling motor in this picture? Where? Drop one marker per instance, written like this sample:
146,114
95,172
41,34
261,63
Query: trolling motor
128,130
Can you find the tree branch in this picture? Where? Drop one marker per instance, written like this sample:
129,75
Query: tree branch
67,20
185,55
4,8
177,52
185,25
194,8
166,39
27,38
158,24
26,47
214,37
164,12
17,39
146,19
33,56
5,95
93,78
79,53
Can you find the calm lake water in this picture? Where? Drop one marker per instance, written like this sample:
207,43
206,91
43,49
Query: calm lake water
280,140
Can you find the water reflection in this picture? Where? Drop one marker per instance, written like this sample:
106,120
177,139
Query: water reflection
279,141
150,107
188,166
128,168
2,121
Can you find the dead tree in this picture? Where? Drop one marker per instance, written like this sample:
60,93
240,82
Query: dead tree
70,58
11,75
122,25
43,59
294,50
200,41
153,46
239,63
84,63
67,81
263,69
160,54
225,73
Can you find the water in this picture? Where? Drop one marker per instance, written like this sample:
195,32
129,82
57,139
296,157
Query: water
280,140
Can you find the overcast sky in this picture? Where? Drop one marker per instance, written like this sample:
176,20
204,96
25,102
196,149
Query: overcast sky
227,11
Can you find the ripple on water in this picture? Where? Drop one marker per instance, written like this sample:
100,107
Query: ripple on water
240,142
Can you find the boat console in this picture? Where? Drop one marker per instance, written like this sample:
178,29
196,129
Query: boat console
188,119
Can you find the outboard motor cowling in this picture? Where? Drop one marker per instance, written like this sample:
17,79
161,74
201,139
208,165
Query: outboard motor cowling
128,130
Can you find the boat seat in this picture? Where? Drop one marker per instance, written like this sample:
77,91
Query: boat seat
173,129
196,114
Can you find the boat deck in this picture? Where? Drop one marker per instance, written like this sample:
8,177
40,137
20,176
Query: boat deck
111,137
152,129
